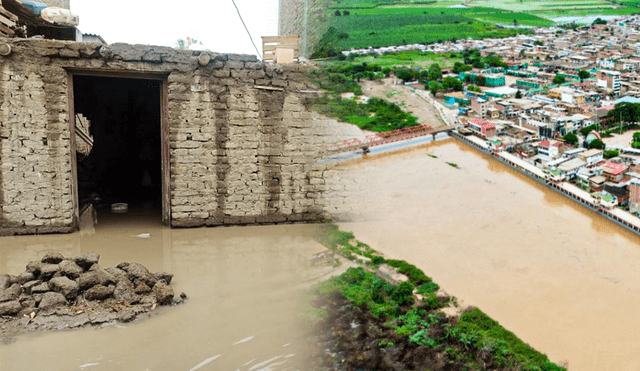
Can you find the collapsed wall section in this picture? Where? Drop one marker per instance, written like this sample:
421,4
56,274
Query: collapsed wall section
242,144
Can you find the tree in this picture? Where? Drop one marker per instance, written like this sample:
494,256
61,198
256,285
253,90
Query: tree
599,21
625,111
480,80
477,63
518,94
434,87
597,143
345,12
611,153
584,74
538,42
435,73
571,139
460,67
451,83
559,79
337,13
474,88
404,74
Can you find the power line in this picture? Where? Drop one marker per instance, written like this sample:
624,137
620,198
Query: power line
245,27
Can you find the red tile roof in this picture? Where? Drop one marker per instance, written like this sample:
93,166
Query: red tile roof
614,168
477,121
544,143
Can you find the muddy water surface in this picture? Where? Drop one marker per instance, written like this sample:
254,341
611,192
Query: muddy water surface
564,279
243,286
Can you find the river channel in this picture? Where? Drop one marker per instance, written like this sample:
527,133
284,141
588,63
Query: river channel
563,278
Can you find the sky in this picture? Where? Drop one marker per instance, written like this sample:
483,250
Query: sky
213,22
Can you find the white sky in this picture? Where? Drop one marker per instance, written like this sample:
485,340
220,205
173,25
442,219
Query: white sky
214,22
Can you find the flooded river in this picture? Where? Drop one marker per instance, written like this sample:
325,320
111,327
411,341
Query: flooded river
243,286
562,278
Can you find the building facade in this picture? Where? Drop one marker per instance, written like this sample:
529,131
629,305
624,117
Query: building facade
235,144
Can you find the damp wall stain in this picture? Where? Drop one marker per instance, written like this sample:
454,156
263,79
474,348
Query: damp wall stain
222,160
273,138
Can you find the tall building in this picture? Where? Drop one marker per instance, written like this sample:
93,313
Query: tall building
609,80
634,195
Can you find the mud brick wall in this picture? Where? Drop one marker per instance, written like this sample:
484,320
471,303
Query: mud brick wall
242,143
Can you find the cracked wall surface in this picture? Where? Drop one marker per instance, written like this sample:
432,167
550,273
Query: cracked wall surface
242,143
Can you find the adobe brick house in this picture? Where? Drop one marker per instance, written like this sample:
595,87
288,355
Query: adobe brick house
219,138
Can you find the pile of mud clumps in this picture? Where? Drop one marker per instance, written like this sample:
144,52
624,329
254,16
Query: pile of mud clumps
57,293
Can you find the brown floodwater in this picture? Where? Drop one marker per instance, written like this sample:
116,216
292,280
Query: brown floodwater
243,284
562,278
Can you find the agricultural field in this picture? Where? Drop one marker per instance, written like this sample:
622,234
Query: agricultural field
412,58
376,23
361,31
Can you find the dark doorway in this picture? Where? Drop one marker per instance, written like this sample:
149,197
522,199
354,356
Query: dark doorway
118,136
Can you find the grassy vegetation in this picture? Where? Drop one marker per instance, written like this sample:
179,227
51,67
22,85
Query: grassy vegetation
411,58
376,114
473,330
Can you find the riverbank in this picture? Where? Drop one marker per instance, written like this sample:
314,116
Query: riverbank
388,315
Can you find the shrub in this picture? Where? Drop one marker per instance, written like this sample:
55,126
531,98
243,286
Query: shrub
416,276
487,331
403,293
571,139
611,153
427,288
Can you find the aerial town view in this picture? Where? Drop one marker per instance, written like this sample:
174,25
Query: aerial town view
320,185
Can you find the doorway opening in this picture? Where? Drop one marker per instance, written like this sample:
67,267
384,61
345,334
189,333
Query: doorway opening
118,128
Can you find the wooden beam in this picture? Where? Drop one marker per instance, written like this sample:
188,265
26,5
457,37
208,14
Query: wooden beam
275,46
273,88
280,39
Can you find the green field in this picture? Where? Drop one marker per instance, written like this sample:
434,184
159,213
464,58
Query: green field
377,23
376,30
410,58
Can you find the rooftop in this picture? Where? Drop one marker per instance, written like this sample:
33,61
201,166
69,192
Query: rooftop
614,168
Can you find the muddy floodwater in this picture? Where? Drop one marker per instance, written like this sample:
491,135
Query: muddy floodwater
564,279
243,286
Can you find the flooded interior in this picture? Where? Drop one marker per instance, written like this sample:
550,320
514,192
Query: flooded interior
125,163
562,278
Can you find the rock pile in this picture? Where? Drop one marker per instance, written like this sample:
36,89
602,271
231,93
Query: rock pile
81,285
